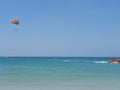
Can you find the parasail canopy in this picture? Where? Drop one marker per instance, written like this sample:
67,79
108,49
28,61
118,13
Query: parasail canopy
15,21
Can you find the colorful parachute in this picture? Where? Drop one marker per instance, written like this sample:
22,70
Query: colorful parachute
15,21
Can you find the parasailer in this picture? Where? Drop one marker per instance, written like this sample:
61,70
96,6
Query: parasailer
15,21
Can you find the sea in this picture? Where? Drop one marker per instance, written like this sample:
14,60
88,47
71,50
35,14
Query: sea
59,73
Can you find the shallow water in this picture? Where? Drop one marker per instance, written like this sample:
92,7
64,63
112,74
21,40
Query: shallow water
58,73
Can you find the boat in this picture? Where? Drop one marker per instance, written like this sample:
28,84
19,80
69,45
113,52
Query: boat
115,61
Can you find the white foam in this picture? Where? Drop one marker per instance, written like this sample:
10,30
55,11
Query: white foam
100,62
66,60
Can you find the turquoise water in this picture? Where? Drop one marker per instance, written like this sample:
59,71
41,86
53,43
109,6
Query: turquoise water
58,73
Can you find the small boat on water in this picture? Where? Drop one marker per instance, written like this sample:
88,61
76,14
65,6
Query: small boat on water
115,61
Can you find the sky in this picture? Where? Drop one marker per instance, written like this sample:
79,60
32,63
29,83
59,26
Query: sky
80,28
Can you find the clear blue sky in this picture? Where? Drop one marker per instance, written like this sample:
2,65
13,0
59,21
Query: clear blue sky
60,28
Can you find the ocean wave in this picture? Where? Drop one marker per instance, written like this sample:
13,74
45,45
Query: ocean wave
66,60
100,62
